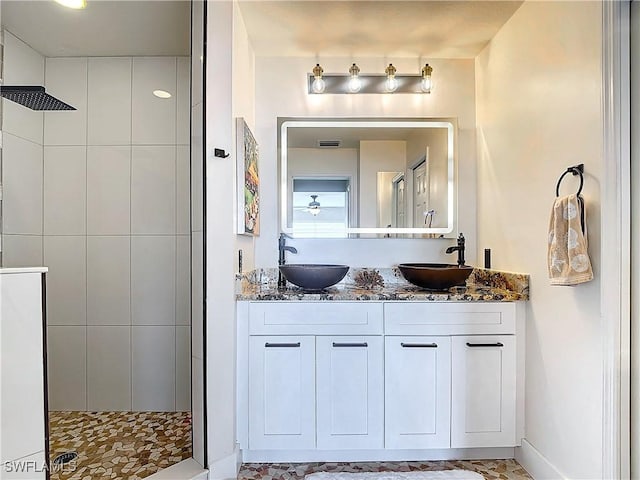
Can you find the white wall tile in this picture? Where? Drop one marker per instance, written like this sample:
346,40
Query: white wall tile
197,295
197,184
65,190
153,280
183,103
66,79
153,190
109,101
22,66
153,118
183,193
153,367
67,362
22,251
22,121
108,273
66,257
108,190
183,280
22,180
109,368
183,369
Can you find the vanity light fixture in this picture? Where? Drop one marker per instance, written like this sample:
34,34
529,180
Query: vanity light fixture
426,84
162,94
390,82
318,84
314,206
75,4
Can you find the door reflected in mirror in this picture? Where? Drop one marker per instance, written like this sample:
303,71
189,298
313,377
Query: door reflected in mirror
367,177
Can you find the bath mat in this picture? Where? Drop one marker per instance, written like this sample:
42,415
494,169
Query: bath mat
438,475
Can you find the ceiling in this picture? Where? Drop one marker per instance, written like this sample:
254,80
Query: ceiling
399,28
103,28
433,29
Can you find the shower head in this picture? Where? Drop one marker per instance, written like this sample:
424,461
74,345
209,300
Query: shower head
33,97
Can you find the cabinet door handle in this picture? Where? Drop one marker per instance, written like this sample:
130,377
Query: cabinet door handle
282,345
363,344
419,345
497,344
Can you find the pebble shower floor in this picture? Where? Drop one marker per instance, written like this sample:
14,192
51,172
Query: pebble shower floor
118,445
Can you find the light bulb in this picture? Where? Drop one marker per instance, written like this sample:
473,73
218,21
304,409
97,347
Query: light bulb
75,4
426,84
355,84
318,83
391,84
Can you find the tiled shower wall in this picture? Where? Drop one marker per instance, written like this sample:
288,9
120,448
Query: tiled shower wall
112,183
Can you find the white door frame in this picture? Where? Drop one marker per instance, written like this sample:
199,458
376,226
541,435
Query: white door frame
616,245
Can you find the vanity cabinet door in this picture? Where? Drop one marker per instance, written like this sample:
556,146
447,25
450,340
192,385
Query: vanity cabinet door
417,392
281,392
483,391
350,392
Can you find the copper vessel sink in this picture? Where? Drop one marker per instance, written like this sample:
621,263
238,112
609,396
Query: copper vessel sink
435,276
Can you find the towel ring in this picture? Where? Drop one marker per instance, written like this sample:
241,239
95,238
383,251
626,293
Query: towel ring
575,170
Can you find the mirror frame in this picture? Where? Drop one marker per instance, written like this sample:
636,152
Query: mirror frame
449,123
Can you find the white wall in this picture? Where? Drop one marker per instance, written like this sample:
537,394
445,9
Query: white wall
377,156
243,105
538,94
221,226
281,92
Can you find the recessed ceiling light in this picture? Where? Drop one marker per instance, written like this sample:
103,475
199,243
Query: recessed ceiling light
162,94
75,4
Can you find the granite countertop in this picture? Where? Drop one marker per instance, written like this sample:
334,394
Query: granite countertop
386,284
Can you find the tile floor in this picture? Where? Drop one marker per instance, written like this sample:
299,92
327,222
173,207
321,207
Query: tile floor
118,445
490,469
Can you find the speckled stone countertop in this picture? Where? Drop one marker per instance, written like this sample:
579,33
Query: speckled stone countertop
386,284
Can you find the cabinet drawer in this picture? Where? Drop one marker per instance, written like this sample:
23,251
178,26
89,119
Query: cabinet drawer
432,318
311,318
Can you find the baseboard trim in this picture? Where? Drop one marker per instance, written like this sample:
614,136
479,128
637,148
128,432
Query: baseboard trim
280,456
536,464
226,468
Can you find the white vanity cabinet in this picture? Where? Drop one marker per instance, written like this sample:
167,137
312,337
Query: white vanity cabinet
282,383
313,389
417,380
483,390
350,392
379,380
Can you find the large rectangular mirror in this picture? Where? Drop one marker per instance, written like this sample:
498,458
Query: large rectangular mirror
367,177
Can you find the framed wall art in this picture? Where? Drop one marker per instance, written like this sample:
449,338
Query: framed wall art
248,180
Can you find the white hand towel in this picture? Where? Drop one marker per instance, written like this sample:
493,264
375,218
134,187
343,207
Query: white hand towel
568,259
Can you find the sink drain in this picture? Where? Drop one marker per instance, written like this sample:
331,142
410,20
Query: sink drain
65,458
